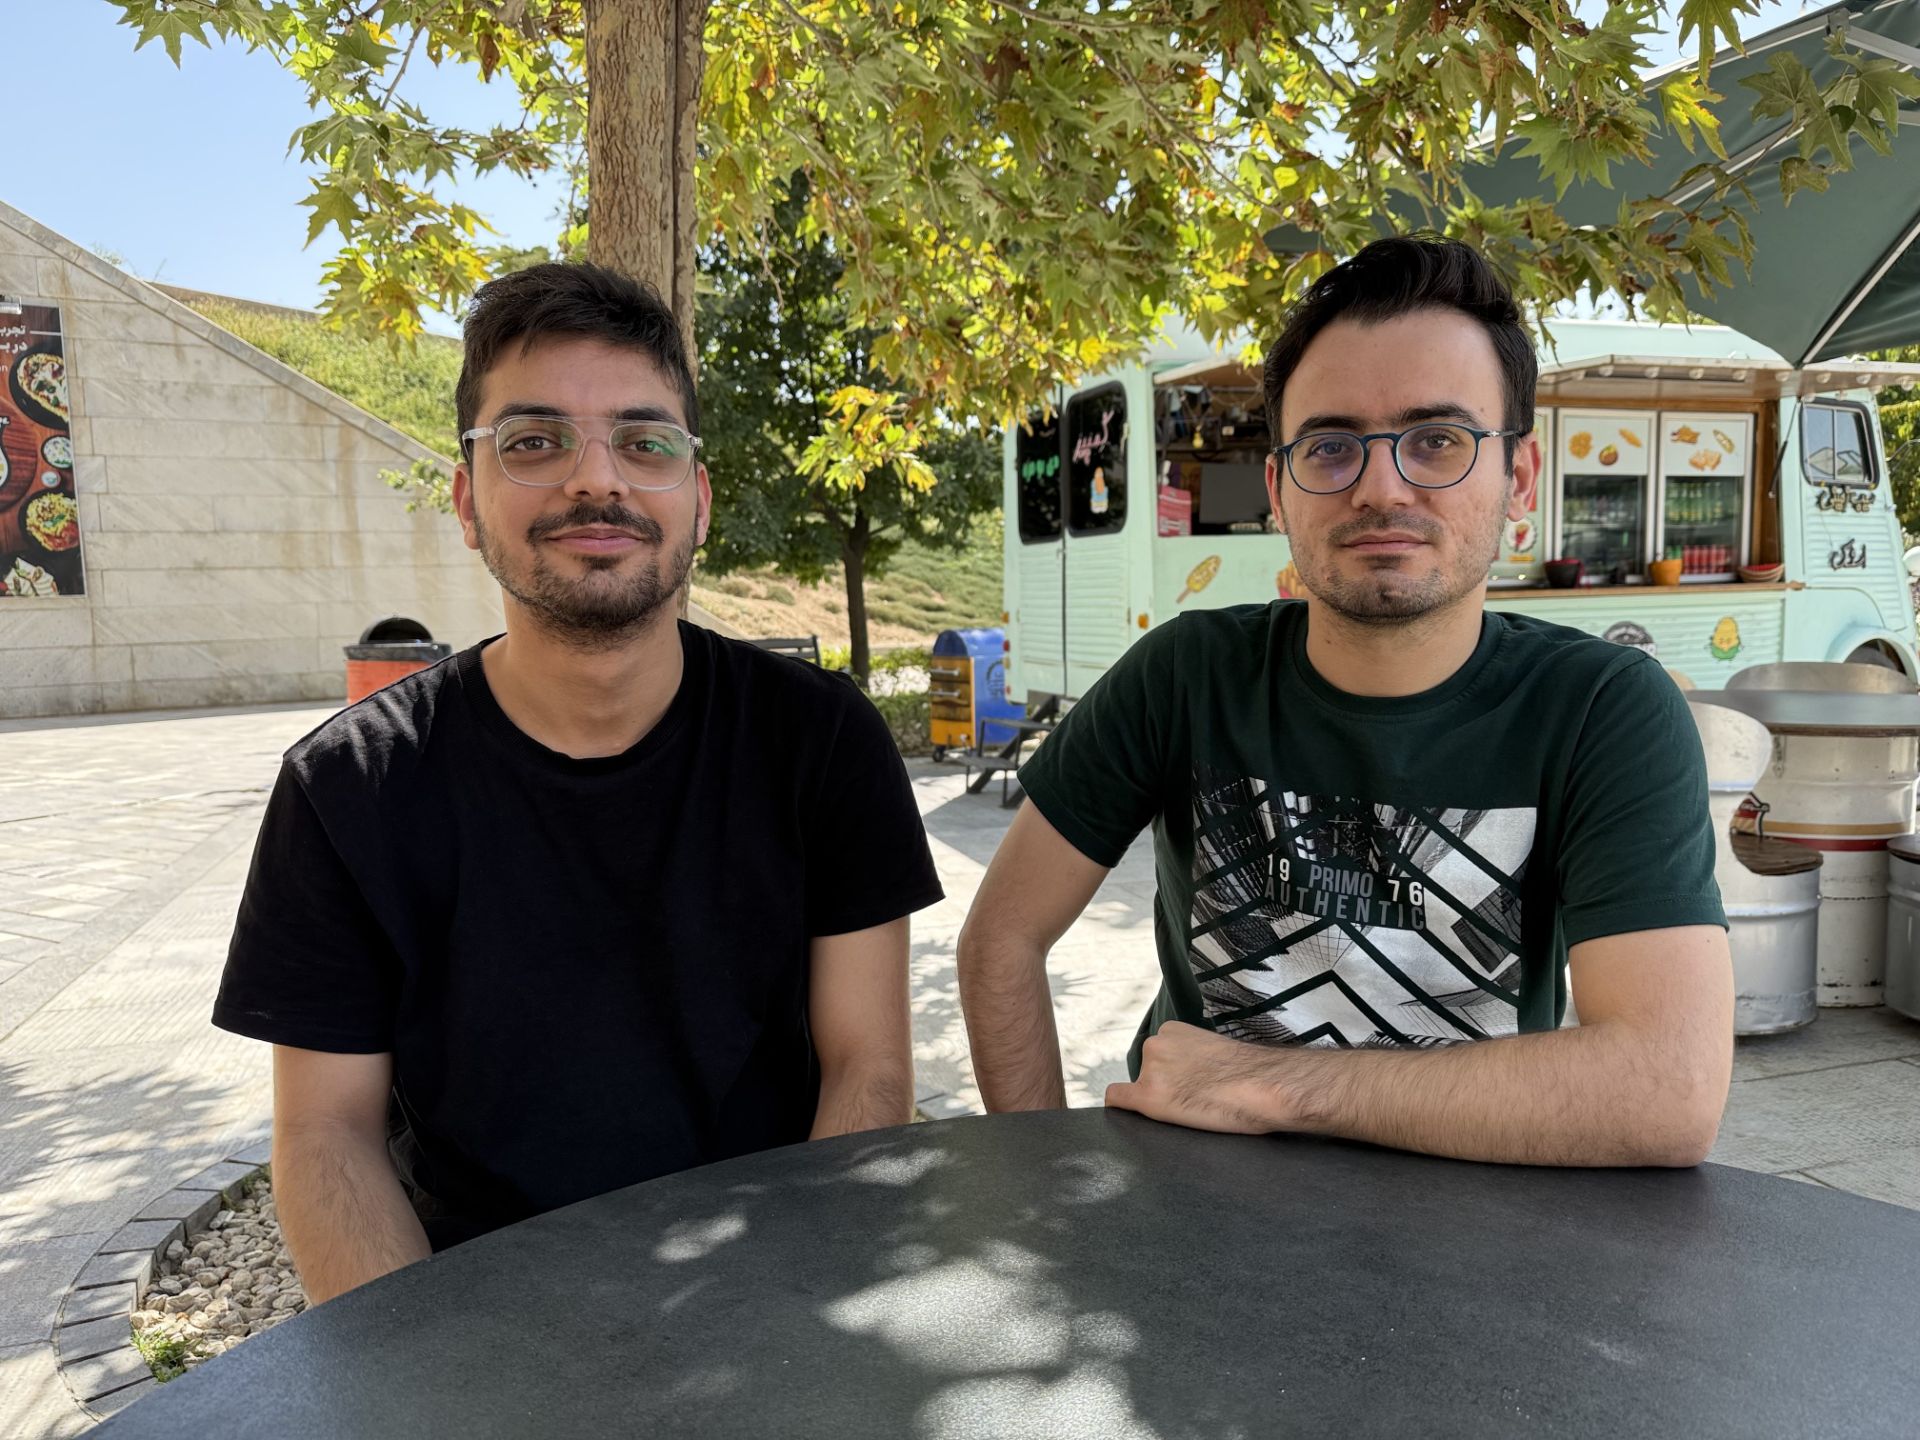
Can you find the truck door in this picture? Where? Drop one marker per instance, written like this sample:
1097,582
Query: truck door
1097,629
1039,562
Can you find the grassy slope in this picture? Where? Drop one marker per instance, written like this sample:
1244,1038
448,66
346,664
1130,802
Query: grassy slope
924,592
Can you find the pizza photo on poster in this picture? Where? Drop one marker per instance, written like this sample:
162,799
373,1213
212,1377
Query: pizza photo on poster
39,518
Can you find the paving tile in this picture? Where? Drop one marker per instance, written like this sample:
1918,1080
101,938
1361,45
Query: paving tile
134,1265
1811,1120
35,1404
222,1177
116,1369
83,1305
254,1155
1892,1175
92,1337
117,1400
1837,1037
191,1208
34,1274
147,1235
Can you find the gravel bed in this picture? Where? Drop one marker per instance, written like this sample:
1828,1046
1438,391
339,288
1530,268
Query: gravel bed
229,1281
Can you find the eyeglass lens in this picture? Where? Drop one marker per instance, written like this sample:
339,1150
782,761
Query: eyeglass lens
1431,456
546,450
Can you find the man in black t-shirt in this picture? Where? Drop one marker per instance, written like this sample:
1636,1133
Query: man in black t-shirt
603,898
1392,831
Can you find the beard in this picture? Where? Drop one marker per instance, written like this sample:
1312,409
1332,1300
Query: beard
606,606
1388,591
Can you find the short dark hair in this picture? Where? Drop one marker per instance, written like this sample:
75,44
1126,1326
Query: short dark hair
543,301
1397,276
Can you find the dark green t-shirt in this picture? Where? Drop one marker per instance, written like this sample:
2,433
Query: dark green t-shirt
1346,870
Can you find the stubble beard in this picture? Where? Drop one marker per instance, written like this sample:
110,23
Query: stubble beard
1383,595
604,608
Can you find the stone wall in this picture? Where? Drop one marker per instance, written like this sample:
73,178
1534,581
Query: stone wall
234,525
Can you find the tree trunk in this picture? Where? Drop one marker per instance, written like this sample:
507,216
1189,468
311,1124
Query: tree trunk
643,87
853,556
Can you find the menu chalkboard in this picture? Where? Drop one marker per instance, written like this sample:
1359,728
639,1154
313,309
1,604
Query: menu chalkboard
39,521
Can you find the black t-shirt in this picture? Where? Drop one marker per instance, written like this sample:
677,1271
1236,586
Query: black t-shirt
588,972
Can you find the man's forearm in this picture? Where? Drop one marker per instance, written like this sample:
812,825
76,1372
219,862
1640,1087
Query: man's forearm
342,1209
1591,1095
1009,1015
855,1097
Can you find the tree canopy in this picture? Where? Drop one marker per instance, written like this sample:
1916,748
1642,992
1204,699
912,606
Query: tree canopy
1021,190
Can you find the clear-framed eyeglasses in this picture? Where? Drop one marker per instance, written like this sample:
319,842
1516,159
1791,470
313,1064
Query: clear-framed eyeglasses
1431,457
545,450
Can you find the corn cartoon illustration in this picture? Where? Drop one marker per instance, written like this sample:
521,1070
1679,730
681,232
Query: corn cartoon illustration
1200,577
1724,643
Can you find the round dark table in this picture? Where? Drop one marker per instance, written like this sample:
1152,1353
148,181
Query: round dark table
1090,1273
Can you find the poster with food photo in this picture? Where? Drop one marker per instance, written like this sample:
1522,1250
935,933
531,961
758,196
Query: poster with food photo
39,521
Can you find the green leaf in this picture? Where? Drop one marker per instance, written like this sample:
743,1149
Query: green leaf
1712,18
331,205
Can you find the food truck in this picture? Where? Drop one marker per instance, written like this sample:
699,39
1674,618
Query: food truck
1140,494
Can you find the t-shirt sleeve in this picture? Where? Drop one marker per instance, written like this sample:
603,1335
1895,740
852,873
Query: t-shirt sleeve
308,965
1637,849
867,855
1099,778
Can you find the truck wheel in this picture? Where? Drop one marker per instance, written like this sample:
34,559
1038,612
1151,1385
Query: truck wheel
1876,654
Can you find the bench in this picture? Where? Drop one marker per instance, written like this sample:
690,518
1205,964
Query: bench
804,647
982,764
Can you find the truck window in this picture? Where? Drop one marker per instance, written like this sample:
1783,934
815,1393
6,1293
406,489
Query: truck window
1036,462
1097,461
1834,450
1211,447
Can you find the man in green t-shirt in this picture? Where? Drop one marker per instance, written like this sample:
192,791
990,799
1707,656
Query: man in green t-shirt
1386,822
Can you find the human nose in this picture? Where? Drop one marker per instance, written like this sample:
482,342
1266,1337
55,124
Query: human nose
1379,485
598,473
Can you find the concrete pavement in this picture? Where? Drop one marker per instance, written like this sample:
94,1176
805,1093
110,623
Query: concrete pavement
124,843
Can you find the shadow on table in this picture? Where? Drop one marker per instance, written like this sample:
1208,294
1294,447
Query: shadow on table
1097,1275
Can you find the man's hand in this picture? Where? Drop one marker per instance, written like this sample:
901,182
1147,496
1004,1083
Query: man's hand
1193,1077
1642,1080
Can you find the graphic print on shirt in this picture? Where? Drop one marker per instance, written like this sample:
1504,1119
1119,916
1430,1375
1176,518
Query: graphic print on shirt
1345,922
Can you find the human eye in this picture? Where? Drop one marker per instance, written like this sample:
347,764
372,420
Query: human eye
1328,447
533,436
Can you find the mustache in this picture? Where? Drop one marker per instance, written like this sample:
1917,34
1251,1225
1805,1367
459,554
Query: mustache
613,517
1419,525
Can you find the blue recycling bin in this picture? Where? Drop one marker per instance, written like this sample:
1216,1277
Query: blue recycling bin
967,691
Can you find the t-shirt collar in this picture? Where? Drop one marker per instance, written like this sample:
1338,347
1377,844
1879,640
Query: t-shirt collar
1453,688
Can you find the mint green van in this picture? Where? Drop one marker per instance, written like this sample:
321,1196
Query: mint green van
1141,495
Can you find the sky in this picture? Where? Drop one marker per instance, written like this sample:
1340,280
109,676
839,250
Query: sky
185,173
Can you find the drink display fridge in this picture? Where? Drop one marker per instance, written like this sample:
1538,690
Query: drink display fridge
1704,464
1523,544
1604,466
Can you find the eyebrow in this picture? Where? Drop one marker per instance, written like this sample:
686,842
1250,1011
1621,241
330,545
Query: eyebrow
1412,415
657,413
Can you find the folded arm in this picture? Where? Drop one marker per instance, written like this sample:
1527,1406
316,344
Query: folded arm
857,1009
1642,1080
346,1218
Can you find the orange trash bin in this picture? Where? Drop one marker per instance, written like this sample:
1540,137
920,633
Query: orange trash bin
390,650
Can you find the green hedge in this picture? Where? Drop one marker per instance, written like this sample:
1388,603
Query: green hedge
909,720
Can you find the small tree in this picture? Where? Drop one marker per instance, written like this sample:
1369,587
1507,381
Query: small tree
779,353
1900,425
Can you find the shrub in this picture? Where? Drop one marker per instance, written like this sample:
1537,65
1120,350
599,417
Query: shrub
908,720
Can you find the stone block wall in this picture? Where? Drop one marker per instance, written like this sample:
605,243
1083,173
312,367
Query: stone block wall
233,523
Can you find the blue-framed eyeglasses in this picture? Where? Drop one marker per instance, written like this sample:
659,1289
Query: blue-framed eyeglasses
1431,457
